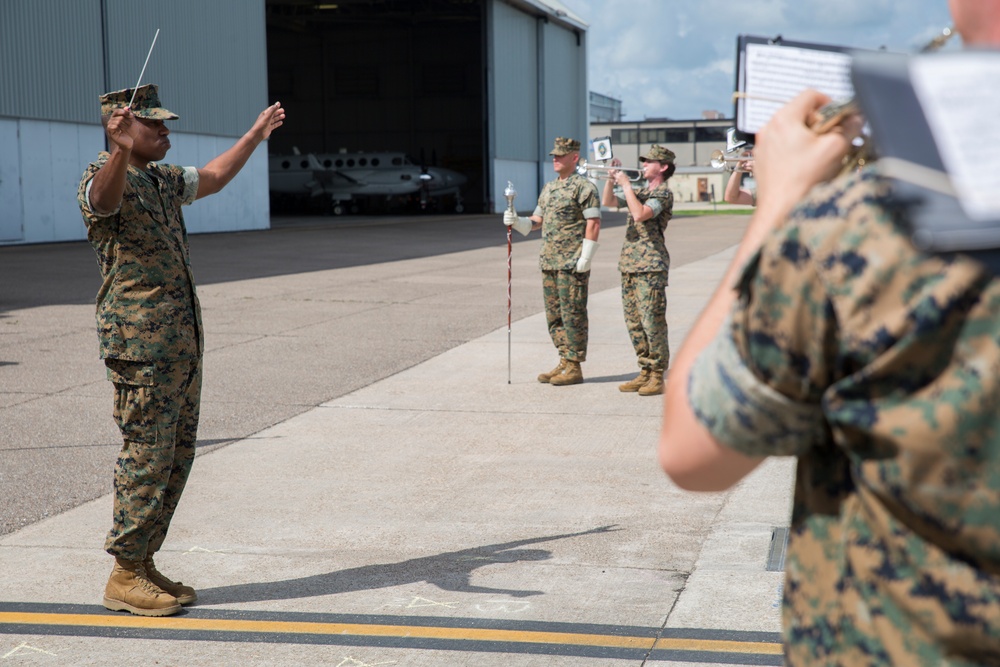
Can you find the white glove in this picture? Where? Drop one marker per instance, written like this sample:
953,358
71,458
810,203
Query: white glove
587,254
521,224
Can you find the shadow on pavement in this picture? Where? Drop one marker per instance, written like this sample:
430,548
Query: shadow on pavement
449,571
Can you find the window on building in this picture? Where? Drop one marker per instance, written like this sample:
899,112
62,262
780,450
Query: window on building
710,133
624,136
665,135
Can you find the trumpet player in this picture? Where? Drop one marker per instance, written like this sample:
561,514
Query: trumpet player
644,264
569,215
735,192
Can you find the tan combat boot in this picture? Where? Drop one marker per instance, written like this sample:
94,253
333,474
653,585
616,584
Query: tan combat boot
545,378
635,383
184,594
654,386
130,590
572,374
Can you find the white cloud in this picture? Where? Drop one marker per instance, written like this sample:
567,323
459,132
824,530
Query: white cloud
676,58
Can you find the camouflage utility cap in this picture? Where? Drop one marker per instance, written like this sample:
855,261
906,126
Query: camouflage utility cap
657,153
564,146
145,105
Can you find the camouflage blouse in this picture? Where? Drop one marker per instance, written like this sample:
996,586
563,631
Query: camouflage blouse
564,207
147,307
878,366
644,249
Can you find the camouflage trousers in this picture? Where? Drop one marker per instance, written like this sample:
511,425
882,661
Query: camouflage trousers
565,295
156,408
644,301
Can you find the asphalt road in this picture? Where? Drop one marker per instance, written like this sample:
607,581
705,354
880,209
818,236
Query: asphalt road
294,316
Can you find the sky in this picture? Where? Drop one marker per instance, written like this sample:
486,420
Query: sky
677,58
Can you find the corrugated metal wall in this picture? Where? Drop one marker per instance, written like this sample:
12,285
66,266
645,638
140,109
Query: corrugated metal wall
50,59
210,59
515,69
564,66
514,118
538,92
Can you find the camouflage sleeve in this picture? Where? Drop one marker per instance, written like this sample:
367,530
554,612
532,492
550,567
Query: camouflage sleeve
90,216
589,201
88,208
744,413
661,199
185,181
655,205
759,387
191,179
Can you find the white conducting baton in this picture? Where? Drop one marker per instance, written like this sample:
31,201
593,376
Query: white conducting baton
136,89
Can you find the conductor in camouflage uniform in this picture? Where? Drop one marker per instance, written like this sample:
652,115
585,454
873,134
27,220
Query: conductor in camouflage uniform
645,264
834,339
149,328
569,214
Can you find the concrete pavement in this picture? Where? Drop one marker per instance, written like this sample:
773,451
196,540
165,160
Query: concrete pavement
437,516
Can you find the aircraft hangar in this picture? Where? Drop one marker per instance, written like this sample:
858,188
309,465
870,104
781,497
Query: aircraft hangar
480,87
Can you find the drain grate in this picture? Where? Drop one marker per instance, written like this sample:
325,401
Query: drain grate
776,554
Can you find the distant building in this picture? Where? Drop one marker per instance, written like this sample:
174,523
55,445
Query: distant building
693,141
604,109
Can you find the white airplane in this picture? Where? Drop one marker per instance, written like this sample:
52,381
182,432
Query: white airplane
346,176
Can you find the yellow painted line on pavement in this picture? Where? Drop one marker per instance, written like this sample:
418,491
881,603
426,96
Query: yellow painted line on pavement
718,646
182,624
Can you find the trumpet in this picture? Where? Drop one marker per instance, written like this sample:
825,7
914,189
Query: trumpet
604,173
728,162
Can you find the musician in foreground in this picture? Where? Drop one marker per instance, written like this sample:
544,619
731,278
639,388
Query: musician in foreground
834,340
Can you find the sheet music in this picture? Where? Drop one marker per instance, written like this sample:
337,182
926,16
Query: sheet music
959,98
780,72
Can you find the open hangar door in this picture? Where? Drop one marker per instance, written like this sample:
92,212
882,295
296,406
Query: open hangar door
365,83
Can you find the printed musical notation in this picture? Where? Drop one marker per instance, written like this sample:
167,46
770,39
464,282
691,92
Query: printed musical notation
772,74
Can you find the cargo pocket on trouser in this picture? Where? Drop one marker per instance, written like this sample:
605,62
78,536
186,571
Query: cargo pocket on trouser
134,410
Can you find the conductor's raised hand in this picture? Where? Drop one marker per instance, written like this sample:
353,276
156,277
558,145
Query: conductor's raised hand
121,128
269,120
